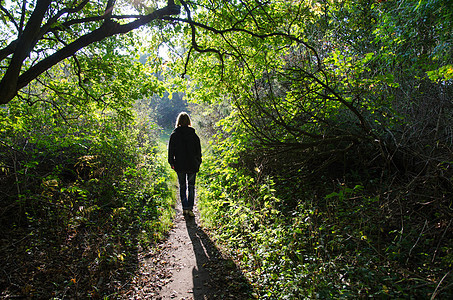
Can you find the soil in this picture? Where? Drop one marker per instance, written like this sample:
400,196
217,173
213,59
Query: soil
188,265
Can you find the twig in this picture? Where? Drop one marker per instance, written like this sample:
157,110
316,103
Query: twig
12,148
15,174
437,287
438,244
416,242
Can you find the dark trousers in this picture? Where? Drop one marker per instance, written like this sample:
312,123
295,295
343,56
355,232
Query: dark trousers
187,183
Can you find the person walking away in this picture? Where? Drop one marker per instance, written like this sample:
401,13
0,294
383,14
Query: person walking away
184,156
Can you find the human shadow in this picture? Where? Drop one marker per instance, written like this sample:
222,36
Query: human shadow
215,277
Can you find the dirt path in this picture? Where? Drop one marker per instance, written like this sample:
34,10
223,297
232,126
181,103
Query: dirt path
189,266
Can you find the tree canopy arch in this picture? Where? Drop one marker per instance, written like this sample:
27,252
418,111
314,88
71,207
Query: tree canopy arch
39,34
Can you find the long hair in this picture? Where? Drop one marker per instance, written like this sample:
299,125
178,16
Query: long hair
183,120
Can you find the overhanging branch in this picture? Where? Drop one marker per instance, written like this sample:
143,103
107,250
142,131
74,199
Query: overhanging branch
12,82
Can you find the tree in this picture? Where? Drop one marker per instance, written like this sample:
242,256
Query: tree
369,109
39,34
330,77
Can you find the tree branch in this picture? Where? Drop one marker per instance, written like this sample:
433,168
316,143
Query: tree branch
10,17
26,42
12,82
195,46
251,33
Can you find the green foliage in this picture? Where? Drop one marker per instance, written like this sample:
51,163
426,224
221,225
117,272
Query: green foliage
329,170
331,78
81,194
443,73
167,107
316,182
297,240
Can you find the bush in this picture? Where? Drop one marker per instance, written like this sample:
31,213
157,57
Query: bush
79,199
324,236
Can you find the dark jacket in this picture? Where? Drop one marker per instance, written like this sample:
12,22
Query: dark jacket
184,150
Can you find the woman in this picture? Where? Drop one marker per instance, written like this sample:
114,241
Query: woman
184,156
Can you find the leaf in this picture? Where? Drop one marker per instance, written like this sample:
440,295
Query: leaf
443,73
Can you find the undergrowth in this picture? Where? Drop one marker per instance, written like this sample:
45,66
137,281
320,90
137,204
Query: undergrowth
328,239
78,200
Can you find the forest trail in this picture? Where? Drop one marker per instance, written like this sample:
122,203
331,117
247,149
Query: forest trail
188,266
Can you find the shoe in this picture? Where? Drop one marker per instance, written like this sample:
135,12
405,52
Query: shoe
190,213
